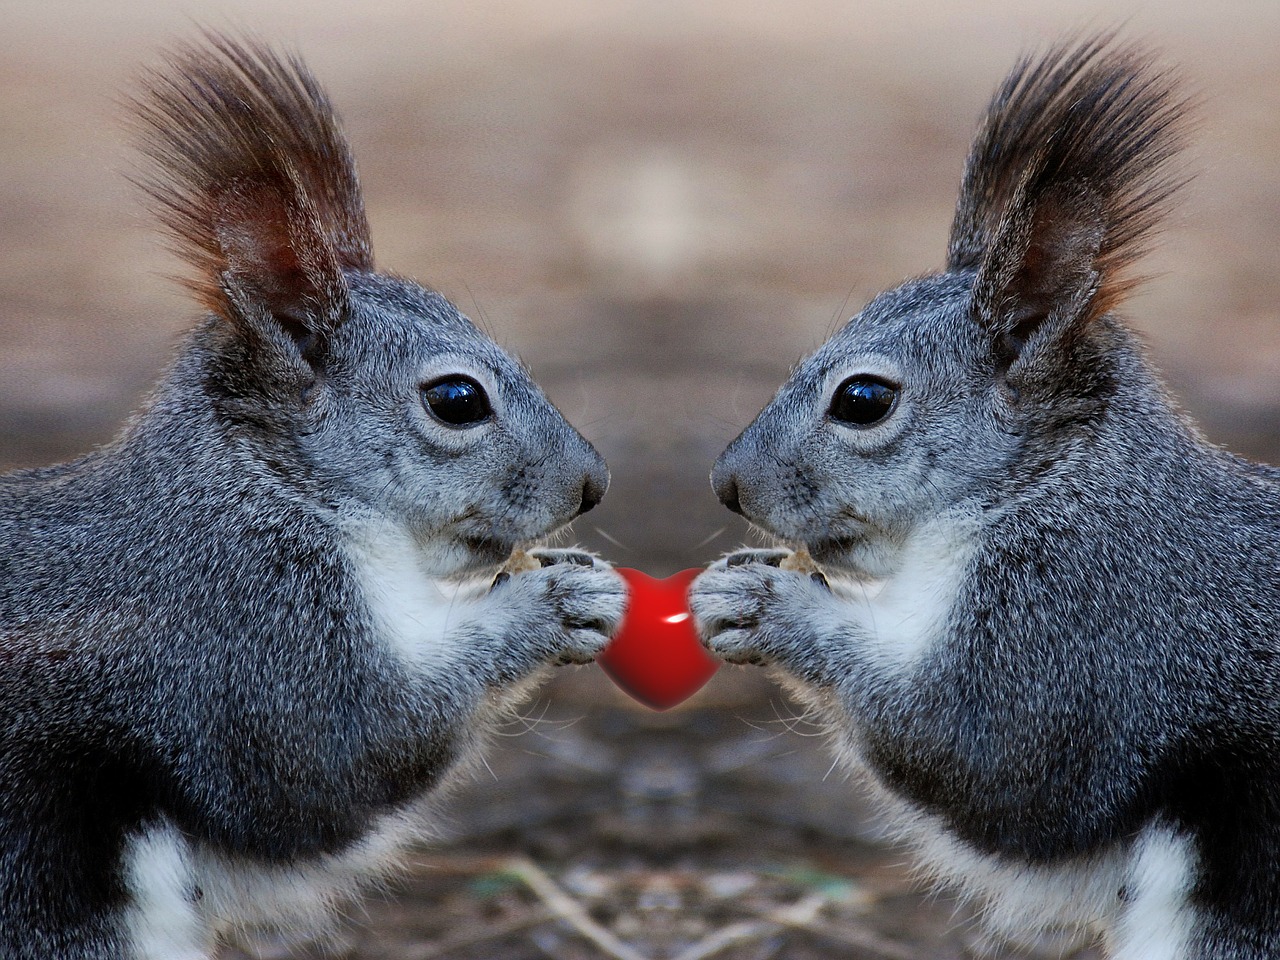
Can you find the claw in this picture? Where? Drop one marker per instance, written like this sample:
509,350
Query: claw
770,558
550,559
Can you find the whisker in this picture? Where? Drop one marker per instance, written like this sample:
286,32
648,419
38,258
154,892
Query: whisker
614,540
702,543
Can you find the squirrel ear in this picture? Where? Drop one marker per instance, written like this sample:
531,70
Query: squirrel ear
255,183
278,262
1041,270
1065,185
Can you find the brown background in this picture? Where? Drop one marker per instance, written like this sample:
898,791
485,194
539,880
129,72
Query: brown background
660,206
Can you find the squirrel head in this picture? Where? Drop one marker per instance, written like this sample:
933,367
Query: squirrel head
941,393
364,392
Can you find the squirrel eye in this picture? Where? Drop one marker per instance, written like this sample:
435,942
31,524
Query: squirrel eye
863,401
456,400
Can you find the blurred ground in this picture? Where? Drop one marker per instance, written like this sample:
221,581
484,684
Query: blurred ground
660,205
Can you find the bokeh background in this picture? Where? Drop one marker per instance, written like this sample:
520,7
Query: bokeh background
660,205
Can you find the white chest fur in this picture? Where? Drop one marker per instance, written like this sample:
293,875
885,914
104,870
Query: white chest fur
418,614
899,613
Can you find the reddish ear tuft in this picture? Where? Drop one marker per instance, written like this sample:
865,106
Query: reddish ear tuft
1066,184
254,181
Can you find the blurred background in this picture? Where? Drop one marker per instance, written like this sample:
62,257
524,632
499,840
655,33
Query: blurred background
660,205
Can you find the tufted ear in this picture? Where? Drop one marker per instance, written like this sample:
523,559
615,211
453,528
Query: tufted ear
1041,274
277,262
1065,185
254,181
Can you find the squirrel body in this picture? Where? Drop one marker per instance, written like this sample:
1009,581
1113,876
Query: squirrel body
244,645
1046,621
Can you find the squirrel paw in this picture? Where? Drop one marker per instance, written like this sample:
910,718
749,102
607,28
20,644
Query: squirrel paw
747,604
592,605
580,596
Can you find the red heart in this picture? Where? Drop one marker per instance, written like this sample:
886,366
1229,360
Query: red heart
656,656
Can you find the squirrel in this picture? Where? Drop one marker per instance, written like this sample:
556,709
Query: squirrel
1026,598
243,645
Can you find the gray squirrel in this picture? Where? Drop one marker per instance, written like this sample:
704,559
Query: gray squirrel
1026,597
243,645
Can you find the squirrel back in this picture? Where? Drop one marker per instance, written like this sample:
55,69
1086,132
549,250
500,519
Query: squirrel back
1044,610
241,645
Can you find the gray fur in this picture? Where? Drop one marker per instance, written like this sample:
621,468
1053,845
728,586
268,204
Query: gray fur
247,638
1048,626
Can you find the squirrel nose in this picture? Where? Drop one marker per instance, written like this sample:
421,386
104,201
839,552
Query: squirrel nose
592,493
595,481
726,488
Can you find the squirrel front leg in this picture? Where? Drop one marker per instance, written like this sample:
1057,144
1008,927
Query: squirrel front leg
548,607
771,607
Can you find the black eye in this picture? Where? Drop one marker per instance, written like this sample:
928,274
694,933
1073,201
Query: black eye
863,400
456,400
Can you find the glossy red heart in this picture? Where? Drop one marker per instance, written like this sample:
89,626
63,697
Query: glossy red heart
656,656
